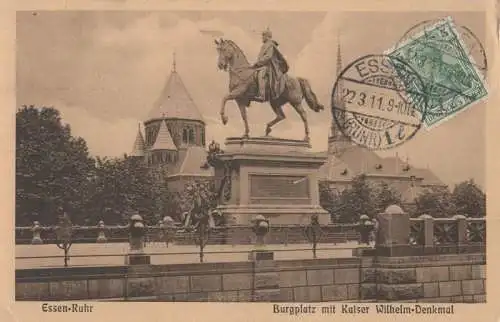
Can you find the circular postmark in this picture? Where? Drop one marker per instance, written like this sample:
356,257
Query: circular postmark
473,46
379,102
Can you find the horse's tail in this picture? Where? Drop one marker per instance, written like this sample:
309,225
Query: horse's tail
309,96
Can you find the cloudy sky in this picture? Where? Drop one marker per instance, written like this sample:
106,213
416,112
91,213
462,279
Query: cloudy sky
104,70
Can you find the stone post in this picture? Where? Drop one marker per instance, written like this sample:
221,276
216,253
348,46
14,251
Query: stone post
393,231
428,230
136,255
365,227
260,226
36,229
461,229
167,228
394,283
101,237
266,280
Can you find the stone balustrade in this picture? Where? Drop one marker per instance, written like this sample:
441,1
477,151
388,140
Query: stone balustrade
428,231
423,231
102,233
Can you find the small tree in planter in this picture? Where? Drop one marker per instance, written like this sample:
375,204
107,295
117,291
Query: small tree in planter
64,232
313,233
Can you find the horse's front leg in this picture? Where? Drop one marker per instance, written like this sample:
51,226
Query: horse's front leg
223,108
243,110
234,94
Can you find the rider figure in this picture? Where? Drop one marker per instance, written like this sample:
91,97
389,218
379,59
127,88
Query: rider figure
271,64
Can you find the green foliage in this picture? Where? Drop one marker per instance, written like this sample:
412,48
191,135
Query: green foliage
386,195
469,199
435,202
122,185
54,170
52,167
362,197
466,199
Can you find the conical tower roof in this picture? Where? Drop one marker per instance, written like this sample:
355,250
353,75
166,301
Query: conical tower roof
138,149
174,101
163,139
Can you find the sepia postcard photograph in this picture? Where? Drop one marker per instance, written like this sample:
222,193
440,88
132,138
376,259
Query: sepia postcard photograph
321,162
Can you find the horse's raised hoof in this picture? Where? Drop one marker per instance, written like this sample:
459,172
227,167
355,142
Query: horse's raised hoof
224,119
268,130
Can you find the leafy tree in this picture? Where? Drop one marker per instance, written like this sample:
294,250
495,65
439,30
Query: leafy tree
436,203
125,184
328,197
385,195
53,168
469,199
362,197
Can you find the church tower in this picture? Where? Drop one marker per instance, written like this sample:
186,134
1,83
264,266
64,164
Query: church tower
138,148
337,141
163,150
174,124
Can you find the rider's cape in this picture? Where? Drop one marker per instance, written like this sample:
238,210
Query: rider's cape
275,63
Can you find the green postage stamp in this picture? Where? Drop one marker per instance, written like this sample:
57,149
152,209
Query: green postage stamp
452,81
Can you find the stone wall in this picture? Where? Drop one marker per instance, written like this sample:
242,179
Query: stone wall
431,278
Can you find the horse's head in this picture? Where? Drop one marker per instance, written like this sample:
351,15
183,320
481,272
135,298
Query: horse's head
225,53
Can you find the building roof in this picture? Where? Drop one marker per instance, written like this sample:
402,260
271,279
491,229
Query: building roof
357,160
335,170
163,139
175,102
138,148
429,177
191,163
360,160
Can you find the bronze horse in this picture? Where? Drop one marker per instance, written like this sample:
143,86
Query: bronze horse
243,88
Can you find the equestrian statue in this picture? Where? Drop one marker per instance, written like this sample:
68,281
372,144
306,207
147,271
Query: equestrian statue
265,81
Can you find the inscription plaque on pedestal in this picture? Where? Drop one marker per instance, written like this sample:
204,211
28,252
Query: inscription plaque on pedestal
279,189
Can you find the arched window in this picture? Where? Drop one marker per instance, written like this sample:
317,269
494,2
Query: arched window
184,135
191,136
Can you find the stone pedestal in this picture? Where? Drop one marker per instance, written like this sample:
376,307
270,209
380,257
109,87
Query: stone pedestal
266,279
394,227
140,283
276,178
136,255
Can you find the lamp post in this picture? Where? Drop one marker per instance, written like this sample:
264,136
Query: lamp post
166,228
